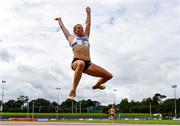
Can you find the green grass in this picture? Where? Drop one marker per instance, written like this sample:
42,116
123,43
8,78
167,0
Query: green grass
88,115
91,115
53,115
169,122
134,114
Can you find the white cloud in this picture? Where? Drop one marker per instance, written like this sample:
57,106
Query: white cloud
138,41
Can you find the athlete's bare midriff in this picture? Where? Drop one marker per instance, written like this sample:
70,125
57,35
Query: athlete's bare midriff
82,52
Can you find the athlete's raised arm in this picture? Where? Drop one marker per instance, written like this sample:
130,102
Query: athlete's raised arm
64,29
88,21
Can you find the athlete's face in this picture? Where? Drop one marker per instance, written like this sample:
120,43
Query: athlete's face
79,30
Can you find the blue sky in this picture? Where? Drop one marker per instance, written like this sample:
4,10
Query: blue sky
137,40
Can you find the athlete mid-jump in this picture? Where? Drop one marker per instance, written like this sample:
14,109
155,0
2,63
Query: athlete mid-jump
81,63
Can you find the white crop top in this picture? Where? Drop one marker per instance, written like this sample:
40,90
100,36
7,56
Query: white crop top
83,41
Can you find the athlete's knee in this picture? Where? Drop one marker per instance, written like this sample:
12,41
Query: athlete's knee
109,76
80,65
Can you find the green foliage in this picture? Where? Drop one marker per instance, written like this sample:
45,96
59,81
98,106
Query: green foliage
156,104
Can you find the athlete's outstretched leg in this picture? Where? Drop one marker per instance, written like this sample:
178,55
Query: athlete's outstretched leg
97,71
78,67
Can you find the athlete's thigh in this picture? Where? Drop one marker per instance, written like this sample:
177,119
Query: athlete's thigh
74,65
97,71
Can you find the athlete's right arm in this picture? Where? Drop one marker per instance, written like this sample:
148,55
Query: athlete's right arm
65,31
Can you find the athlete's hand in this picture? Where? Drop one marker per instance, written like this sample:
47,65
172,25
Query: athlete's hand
88,10
58,19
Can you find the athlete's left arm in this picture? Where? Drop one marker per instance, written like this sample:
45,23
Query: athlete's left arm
88,21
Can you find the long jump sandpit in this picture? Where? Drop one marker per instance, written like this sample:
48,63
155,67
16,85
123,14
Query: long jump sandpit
15,123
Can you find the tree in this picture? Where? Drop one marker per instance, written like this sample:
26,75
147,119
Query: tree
40,105
168,106
10,105
157,98
16,106
158,105
157,102
66,106
124,105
